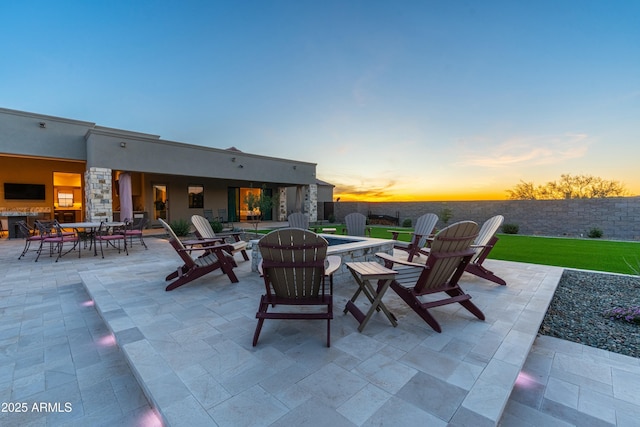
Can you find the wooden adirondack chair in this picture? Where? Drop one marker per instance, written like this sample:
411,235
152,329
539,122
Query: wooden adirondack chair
215,257
293,268
357,224
486,240
298,220
424,228
205,232
449,255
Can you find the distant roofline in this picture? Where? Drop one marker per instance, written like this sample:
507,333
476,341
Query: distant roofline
123,133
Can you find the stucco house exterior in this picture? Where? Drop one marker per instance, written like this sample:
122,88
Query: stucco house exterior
53,167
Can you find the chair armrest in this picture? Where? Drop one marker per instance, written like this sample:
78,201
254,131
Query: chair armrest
204,247
204,242
488,245
396,233
393,260
332,263
234,234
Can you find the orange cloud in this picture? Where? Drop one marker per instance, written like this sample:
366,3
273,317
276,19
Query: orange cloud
535,150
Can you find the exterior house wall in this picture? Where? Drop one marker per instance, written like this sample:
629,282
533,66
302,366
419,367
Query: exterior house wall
215,194
36,136
21,134
145,153
324,194
618,218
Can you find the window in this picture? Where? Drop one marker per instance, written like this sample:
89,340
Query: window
65,200
196,196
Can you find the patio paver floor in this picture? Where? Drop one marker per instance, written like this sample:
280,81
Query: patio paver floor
190,350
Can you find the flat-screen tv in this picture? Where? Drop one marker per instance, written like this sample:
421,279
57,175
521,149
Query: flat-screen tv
24,191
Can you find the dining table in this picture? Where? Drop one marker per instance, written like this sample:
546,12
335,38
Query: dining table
90,228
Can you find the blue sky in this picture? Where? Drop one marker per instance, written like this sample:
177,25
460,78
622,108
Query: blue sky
422,100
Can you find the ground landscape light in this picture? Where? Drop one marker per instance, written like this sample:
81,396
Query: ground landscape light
107,340
525,380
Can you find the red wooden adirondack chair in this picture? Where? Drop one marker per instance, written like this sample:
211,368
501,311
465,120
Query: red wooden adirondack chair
486,240
449,255
293,268
205,231
215,257
423,230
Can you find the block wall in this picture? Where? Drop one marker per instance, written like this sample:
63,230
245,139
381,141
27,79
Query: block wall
618,218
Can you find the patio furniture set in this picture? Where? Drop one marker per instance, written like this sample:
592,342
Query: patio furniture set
295,267
63,238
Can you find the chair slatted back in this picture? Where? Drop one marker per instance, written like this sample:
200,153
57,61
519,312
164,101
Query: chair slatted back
298,220
171,233
424,227
206,259
448,250
356,224
293,263
176,243
203,227
487,231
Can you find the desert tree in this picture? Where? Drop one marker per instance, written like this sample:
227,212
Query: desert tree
568,187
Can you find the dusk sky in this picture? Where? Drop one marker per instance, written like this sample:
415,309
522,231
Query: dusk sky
394,100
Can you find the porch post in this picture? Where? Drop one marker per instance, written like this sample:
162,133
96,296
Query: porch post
98,196
311,201
282,203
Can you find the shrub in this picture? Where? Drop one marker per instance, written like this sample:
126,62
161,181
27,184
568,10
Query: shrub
594,233
332,218
510,228
216,226
445,215
407,223
181,227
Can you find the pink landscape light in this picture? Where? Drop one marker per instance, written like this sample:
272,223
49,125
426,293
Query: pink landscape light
150,419
525,380
107,340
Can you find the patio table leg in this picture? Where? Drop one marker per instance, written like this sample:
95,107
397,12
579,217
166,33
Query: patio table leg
363,274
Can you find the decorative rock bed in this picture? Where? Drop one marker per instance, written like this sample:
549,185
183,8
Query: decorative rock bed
576,311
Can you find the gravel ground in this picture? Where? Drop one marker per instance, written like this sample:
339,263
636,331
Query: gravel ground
576,311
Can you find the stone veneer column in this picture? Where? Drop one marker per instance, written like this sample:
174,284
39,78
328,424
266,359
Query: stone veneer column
98,202
282,203
311,201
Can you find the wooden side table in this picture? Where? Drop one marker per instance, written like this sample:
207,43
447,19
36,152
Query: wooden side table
363,273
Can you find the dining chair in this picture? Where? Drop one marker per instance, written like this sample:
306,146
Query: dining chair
110,238
134,229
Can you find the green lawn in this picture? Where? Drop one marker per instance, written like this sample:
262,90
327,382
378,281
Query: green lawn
589,254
